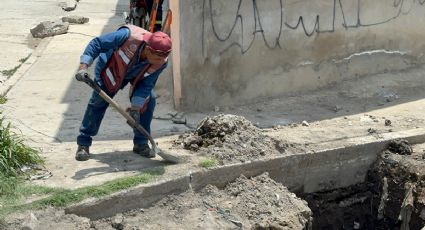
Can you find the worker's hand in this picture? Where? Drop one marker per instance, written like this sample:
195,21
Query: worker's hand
82,75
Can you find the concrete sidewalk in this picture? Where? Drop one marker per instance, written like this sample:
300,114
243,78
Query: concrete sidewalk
46,104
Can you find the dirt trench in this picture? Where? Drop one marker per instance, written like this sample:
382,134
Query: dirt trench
392,197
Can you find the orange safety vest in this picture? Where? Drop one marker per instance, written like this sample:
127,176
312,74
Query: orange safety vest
116,68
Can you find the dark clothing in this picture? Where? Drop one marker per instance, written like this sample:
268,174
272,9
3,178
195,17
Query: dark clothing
158,25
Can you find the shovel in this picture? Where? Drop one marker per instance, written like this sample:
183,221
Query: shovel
130,120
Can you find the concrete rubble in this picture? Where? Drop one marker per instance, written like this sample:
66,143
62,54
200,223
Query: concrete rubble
75,19
49,29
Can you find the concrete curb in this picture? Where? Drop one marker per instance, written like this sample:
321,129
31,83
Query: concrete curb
139,197
303,172
20,72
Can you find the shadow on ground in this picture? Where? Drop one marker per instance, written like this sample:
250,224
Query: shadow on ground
118,161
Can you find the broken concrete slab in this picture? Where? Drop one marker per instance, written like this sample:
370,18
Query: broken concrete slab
49,29
75,19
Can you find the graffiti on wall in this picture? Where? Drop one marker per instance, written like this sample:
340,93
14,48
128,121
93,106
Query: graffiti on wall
317,27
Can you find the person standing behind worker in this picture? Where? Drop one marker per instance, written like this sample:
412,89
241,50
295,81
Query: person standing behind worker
146,6
128,55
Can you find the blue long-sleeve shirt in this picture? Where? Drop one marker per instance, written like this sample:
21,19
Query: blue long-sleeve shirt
103,47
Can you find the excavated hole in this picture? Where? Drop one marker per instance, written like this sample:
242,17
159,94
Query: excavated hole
390,198
368,205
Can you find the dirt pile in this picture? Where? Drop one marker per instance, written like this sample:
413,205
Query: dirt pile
247,203
49,218
256,203
230,139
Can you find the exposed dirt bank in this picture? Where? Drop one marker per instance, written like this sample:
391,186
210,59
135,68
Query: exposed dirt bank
391,198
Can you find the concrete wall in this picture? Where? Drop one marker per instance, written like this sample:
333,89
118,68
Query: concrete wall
240,51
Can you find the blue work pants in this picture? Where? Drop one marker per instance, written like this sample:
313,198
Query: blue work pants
95,112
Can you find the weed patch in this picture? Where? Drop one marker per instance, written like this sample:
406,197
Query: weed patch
23,60
8,73
3,100
206,163
13,152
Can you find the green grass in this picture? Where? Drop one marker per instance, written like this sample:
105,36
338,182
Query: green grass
3,224
207,162
23,60
3,99
16,192
14,153
65,197
8,73
22,190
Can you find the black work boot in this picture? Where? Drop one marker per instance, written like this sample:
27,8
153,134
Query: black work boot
83,153
143,150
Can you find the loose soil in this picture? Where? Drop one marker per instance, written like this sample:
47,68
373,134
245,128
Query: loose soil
255,203
230,139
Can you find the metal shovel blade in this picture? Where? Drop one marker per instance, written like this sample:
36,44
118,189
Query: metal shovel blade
166,156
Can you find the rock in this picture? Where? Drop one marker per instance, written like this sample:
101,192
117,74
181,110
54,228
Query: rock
305,123
69,8
401,147
49,28
372,131
181,120
30,223
356,225
74,19
387,122
391,97
117,222
174,129
337,108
